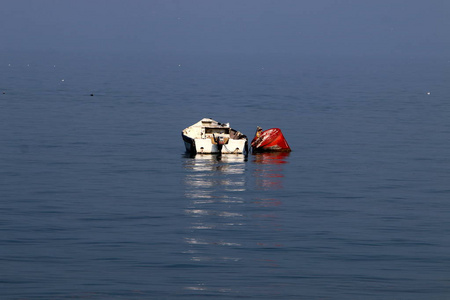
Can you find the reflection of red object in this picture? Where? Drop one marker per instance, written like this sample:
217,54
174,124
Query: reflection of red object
269,171
271,158
270,140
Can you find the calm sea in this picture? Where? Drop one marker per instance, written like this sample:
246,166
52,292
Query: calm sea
99,201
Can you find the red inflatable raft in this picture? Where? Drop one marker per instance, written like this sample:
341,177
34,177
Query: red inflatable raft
270,140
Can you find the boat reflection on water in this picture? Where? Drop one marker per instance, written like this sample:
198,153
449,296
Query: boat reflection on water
233,223
214,188
269,169
226,162
210,176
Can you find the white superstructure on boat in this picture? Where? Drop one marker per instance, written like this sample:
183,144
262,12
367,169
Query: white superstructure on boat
209,136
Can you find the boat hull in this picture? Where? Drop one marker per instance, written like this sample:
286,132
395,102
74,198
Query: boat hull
205,146
211,137
270,140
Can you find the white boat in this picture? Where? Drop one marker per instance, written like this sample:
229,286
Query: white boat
208,136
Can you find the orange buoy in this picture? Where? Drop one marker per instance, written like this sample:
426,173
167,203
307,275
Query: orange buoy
270,140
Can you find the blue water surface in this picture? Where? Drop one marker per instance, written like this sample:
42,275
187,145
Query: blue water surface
98,199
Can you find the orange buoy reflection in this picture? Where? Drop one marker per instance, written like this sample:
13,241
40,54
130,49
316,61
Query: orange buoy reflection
271,158
269,172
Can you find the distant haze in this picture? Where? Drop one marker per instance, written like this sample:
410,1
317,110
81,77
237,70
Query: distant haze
326,27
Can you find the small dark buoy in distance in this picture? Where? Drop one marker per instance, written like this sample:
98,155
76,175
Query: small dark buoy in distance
4,93
92,95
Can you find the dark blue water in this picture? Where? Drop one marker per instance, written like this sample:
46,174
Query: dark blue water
99,201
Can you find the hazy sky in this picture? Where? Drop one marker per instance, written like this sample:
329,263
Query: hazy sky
355,27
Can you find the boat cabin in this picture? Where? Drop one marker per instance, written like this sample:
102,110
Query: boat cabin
209,136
